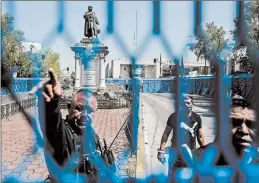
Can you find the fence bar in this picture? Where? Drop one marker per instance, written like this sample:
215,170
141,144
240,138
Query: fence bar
135,114
110,12
156,17
61,16
197,16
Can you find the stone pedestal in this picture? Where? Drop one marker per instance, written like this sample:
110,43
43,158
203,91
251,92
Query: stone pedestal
89,64
77,71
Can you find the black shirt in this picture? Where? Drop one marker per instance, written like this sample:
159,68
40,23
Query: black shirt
188,125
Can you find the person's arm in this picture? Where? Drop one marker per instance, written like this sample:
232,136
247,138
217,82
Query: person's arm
167,131
161,150
53,115
200,137
165,136
49,113
169,127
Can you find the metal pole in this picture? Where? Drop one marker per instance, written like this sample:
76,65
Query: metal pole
136,31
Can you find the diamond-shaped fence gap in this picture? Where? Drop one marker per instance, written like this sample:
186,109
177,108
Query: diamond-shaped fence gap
116,52
110,17
176,32
63,44
38,31
154,48
68,38
143,45
122,45
132,22
49,39
169,49
186,61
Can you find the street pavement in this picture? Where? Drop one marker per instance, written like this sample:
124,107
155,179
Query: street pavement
156,108
22,160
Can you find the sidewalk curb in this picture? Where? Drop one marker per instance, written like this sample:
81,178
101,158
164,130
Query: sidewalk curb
143,154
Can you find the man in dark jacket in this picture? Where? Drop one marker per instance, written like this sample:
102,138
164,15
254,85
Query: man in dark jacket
243,134
66,138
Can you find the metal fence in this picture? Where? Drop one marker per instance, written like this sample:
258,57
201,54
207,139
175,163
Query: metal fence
246,172
12,108
121,101
203,85
21,85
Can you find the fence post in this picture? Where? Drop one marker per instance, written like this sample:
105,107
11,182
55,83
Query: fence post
135,113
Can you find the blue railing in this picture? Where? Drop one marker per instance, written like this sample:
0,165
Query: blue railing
201,85
22,85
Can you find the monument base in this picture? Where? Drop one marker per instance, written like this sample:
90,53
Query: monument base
87,41
92,75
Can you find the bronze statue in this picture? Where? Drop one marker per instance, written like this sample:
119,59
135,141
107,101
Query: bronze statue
91,22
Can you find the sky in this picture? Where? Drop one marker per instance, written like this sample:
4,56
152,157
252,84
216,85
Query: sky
39,19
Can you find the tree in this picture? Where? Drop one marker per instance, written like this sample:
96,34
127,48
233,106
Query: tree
211,47
239,56
13,49
252,21
241,49
51,61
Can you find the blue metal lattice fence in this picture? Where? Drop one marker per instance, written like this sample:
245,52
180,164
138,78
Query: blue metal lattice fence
205,168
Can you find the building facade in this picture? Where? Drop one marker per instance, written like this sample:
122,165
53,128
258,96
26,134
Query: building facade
122,68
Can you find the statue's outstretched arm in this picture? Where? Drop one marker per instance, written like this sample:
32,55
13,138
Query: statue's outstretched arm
96,21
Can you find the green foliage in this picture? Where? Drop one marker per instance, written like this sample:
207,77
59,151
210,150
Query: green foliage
211,47
51,61
13,49
252,21
241,49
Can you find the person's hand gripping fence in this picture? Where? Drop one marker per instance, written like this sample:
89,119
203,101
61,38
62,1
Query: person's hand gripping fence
50,88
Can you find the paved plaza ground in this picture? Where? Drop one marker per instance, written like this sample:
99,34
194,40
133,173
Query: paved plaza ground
21,160
18,141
